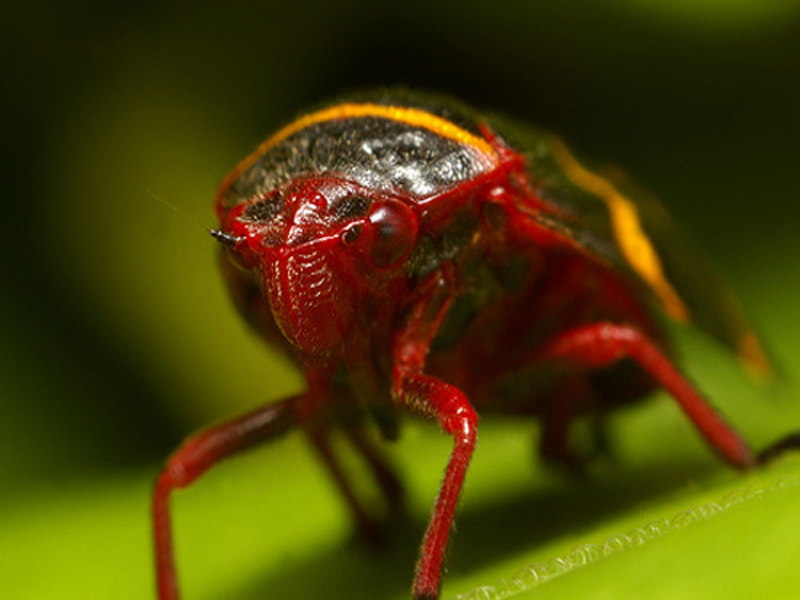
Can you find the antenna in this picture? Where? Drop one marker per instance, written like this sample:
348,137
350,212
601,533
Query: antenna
226,239
183,214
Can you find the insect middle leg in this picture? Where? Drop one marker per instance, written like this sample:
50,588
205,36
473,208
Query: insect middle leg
368,527
390,485
558,416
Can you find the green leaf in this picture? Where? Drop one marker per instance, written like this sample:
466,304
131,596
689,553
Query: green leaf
270,524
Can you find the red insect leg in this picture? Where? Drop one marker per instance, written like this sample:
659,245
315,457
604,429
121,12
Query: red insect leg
209,447
366,525
600,344
194,457
448,405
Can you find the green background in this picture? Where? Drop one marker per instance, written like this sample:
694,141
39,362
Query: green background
118,338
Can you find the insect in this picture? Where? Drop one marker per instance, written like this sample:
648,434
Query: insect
415,256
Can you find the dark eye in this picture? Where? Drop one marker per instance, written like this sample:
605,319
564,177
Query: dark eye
394,232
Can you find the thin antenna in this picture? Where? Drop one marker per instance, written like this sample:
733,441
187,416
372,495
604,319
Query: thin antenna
226,239
183,214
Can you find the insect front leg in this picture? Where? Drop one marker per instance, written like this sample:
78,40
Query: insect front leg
601,344
194,457
450,407
444,402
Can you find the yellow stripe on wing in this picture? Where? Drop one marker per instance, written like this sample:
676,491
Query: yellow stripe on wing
636,247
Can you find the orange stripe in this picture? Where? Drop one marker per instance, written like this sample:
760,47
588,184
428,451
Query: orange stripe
411,116
631,238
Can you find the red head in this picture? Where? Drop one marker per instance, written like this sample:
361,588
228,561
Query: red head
323,249
327,209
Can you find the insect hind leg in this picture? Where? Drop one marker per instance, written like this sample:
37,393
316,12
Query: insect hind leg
599,345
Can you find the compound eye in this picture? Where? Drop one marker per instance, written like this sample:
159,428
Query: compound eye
394,228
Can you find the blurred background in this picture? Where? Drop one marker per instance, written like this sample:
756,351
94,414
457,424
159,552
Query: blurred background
117,335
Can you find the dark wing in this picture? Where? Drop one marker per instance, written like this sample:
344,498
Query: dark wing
630,232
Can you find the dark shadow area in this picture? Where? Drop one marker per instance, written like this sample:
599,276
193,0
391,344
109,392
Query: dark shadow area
112,403
485,534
